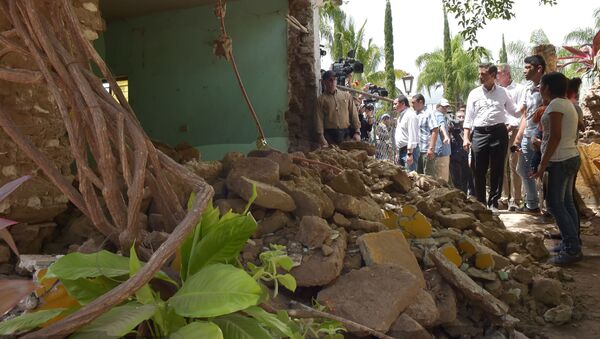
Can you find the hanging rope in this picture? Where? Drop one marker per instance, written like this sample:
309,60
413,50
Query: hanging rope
223,47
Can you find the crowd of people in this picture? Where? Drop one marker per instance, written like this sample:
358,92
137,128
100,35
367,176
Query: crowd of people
512,146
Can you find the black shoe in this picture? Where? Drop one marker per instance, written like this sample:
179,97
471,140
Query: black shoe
526,209
557,248
563,258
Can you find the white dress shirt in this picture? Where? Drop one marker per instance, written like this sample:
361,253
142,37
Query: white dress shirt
516,92
407,129
488,108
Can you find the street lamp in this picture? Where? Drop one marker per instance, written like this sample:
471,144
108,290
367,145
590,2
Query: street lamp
408,82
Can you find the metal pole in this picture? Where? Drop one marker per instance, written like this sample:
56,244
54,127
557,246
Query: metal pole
344,88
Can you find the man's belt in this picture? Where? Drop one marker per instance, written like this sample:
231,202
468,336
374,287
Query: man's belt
488,129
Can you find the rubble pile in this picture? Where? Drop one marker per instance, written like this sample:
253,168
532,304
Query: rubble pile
400,253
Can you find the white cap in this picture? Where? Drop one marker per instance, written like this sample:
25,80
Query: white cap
444,102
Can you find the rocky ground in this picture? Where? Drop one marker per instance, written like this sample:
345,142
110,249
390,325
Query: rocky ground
399,253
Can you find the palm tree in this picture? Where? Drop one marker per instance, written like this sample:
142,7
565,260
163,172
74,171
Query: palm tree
519,50
463,73
584,35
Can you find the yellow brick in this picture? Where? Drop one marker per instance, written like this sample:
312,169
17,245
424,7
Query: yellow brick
484,261
451,253
467,247
416,227
409,210
390,219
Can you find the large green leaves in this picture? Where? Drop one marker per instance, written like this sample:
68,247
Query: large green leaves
269,320
79,265
210,217
235,326
198,329
216,290
27,321
117,322
223,243
87,290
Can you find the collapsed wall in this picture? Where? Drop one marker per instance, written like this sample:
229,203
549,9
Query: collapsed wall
32,108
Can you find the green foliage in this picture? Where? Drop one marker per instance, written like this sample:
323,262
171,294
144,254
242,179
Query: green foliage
216,290
27,321
198,329
503,57
449,89
117,322
268,270
463,73
538,37
472,15
330,329
235,326
211,288
388,33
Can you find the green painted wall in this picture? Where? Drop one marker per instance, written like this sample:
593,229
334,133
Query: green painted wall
181,92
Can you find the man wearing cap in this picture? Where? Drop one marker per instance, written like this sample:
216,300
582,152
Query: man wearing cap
442,147
487,106
337,116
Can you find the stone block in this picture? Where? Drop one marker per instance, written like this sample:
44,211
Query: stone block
366,225
407,327
373,296
272,223
391,248
267,196
414,224
458,220
423,310
348,182
313,231
546,291
559,315
402,182
317,269
484,261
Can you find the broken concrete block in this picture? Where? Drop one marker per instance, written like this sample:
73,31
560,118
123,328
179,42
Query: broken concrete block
30,263
522,274
467,286
373,296
413,223
348,182
546,291
457,220
364,208
500,262
451,253
366,226
484,261
309,197
492,234
406,327
402,182
389,247
267,196
207,170
468,247
341,220
481,275
445,298
463,327
423,310
443,194
559,315
272,223
313,231
285,162
317,269
535,246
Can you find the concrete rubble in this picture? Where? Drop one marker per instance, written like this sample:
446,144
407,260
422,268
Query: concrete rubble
398,252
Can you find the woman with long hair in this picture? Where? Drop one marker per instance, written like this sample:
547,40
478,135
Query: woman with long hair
560,158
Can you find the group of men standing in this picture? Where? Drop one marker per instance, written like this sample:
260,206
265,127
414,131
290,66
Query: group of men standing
494,142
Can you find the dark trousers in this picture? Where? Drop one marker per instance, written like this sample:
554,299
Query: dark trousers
336,136
489,147
460,173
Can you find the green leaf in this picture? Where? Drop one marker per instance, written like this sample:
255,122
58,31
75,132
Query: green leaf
191,200
285,262
269,320
198,329
223,244
28,321
288,281
87,290
235,326
144,294
210,217
251,200
77,265
216,290
117,322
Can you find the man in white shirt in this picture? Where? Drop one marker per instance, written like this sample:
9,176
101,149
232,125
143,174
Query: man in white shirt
485,117
406,134
516,91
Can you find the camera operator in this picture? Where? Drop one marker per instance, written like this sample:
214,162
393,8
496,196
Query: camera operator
367,119
460,171
336,117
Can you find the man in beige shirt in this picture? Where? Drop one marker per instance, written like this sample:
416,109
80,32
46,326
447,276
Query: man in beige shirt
337,116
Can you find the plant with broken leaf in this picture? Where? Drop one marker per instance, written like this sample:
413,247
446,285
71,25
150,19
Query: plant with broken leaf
5,191
216,298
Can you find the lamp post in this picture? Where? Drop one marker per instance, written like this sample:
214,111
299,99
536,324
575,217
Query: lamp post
408,82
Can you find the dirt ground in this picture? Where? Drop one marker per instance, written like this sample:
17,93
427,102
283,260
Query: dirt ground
584,288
